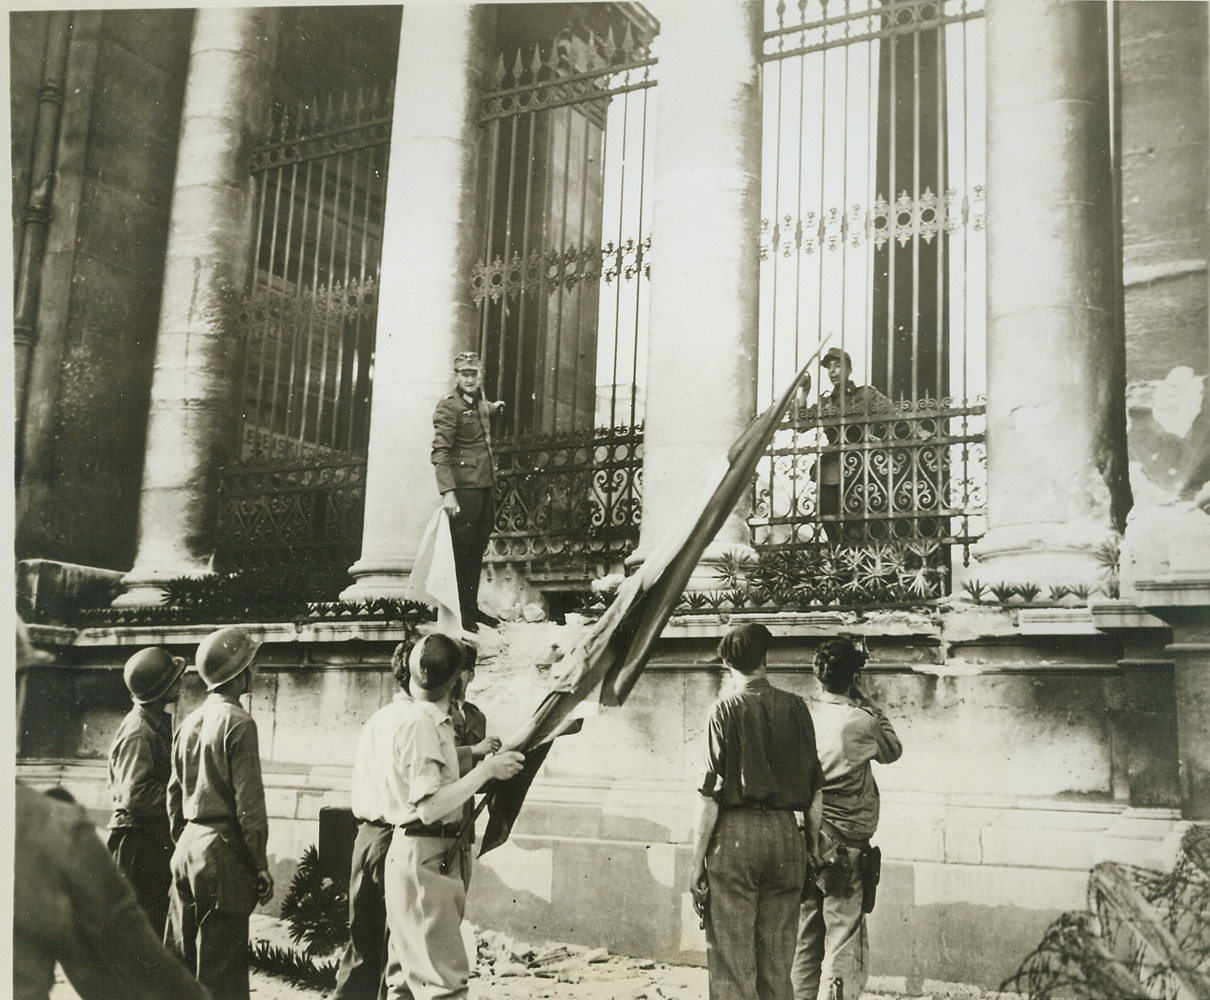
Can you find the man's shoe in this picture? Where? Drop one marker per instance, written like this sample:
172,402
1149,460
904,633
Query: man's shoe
468,624
483,618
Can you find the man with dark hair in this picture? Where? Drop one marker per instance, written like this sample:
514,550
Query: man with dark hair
466,478
140,764
363,964
216,807
749,858
424,902
833,955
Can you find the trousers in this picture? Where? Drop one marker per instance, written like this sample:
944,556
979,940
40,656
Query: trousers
213,894
144,856
360,976
426,957
755,864
833,943
470,533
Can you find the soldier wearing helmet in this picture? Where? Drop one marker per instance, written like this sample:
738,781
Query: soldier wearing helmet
466,478
139,768
216,806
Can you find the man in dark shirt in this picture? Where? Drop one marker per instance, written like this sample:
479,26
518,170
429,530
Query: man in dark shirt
840,472
750,858
139,768
466,478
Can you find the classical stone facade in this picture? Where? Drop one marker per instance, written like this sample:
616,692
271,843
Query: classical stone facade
1040,736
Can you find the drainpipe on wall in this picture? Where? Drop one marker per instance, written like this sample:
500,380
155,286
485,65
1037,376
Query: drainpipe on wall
38,207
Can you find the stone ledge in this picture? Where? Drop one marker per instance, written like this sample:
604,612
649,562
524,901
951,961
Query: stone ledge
1117,614
1056,621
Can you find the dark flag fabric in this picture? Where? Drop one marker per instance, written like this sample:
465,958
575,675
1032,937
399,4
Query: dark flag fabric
611,655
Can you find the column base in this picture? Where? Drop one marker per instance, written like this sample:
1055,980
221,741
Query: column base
146,587
1043,554
377,579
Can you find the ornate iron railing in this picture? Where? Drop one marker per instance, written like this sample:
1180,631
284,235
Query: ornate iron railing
304,513
569,498
910,473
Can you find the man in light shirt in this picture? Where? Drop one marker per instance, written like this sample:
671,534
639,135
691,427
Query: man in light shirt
421,783
832,959
364,960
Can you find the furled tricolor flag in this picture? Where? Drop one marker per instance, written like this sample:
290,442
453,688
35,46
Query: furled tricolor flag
434,580
612,654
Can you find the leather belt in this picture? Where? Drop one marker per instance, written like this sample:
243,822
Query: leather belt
446,831
760,807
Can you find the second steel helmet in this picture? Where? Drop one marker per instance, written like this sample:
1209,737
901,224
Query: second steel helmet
151,672
224,655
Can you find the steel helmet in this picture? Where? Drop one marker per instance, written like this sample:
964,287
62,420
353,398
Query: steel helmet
151,672
224,655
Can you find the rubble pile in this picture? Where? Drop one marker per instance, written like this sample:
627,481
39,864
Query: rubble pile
508,969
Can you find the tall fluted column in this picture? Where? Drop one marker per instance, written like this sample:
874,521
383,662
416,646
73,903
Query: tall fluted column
194,390
1056,381
425,311
701,356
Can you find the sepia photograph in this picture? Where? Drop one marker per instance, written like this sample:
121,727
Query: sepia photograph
594,500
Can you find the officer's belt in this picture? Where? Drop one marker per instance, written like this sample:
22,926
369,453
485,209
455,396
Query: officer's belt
445,831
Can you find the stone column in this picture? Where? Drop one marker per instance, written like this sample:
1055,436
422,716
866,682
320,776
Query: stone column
701,355
194,393
1055,384
425,312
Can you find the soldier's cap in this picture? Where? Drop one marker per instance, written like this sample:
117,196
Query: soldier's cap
836,354
467,359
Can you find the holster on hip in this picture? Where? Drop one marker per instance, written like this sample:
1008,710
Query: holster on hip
835,878
869,863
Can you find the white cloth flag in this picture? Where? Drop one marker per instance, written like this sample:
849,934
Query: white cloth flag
434,580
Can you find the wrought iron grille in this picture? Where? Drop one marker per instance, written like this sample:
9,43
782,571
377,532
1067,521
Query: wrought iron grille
281,514
569,498
561,286
308,323
873,234
307,328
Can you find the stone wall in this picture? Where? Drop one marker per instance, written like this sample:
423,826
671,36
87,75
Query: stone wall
1027,759
1164,229
91,369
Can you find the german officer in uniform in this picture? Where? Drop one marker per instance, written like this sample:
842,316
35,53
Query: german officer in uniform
216,805
466,478
139,769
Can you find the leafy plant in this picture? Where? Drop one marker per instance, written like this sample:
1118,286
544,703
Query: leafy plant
974,590
1080,591
295,968
316,908
1109,558
1027,591
1058,591
1003,592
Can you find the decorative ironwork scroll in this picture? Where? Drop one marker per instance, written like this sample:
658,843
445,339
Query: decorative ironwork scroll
569,497
291,513
912,473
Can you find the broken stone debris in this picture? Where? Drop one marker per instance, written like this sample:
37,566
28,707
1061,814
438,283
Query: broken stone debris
499,957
